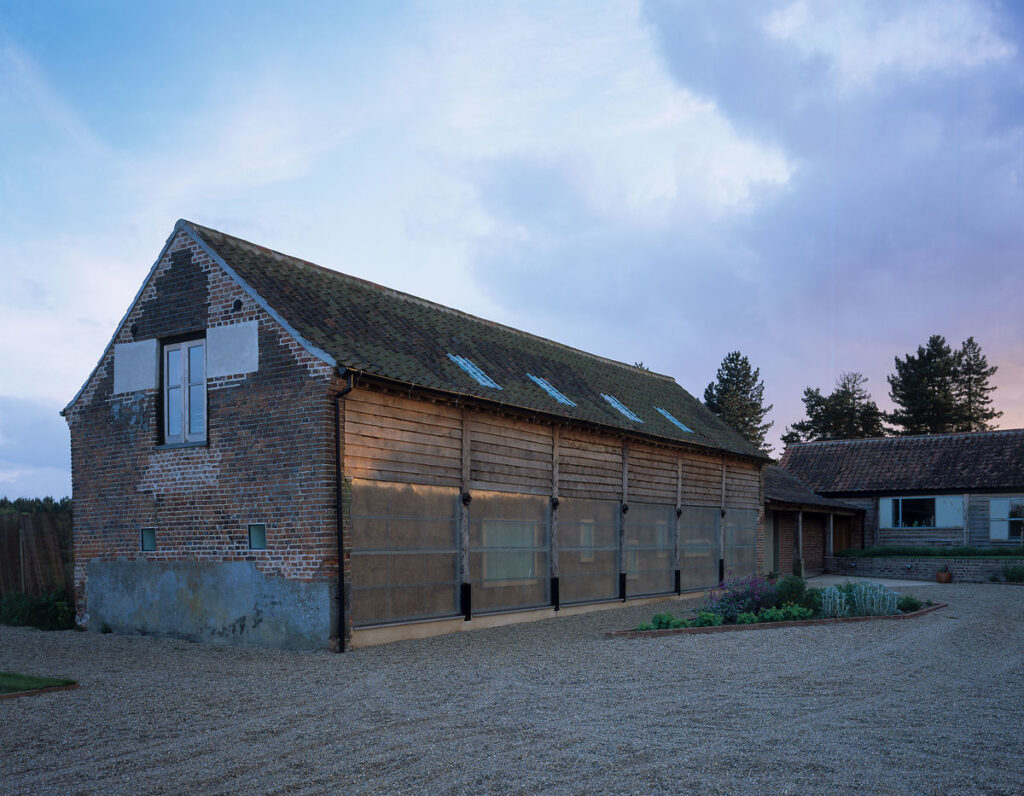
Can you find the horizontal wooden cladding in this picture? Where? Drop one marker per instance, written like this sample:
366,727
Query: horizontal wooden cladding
652,473
702,480
509,454
742,486
390,438
589,465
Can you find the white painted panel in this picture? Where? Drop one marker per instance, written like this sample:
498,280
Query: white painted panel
136,366
885,512
999,515
231,350
949,511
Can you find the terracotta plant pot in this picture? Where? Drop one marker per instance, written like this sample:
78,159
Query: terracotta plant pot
944,577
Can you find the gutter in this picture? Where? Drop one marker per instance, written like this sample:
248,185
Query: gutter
339,513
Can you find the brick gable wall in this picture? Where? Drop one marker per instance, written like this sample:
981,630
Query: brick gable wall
269,458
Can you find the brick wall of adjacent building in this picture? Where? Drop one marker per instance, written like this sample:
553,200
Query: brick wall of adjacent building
963,569
269,456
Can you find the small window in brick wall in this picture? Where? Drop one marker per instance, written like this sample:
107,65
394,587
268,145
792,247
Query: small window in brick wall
258,536
147,539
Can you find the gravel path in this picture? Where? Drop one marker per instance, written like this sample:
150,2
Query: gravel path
928,705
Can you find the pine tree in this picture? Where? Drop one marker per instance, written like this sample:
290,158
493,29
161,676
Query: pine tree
972,389
737,397
847,413
924,389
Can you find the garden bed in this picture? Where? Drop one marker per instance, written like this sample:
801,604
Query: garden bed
691,631
755,602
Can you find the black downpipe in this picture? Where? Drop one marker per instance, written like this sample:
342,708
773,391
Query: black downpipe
466,600
721,571
678,582
622,586
556,600
338,398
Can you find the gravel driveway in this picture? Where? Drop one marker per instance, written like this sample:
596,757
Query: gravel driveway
928,705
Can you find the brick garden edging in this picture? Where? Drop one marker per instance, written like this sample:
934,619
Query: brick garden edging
694,631
34,691
972,570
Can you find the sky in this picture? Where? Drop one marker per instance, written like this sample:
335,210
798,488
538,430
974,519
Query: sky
819,185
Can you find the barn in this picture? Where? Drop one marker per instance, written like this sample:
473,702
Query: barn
276,453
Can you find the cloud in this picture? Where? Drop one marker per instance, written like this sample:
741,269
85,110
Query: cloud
867,42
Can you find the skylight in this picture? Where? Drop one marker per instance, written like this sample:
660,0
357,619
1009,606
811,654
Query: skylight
619,405
482,378
668,416
546,386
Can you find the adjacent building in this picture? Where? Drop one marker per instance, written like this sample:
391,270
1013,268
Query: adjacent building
935,489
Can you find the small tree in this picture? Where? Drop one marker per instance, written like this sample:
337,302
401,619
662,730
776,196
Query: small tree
737,397
972,389
847,413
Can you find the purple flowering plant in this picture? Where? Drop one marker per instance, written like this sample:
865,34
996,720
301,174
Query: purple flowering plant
750,594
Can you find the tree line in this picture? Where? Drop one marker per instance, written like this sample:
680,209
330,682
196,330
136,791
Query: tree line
937,389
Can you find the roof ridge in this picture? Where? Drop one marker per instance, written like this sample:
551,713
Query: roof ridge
896,437
426,302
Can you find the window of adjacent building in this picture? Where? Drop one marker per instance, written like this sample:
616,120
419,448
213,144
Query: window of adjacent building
147,539
586,541
185,391
913,513
258,536
509,550
1006,519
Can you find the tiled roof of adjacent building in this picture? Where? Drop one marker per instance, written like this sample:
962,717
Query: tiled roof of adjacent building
376,330
782,487
930,462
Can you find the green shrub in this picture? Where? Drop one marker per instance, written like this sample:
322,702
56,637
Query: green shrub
50,612
677,623
797,613
708,619
772,615
641,626
746,618
1014,573
812,601
994,578
908,603
790,589
662,621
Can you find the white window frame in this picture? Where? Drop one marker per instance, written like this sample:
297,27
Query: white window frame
1001,519
186,382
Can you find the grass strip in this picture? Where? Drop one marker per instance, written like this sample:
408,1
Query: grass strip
11,683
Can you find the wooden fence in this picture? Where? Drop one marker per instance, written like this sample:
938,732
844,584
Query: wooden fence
35,553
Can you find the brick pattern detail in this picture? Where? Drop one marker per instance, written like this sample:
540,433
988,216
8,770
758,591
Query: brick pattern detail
269,457
970,570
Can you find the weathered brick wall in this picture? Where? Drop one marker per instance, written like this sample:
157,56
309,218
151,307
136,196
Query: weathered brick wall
814,542
963,569
269,456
